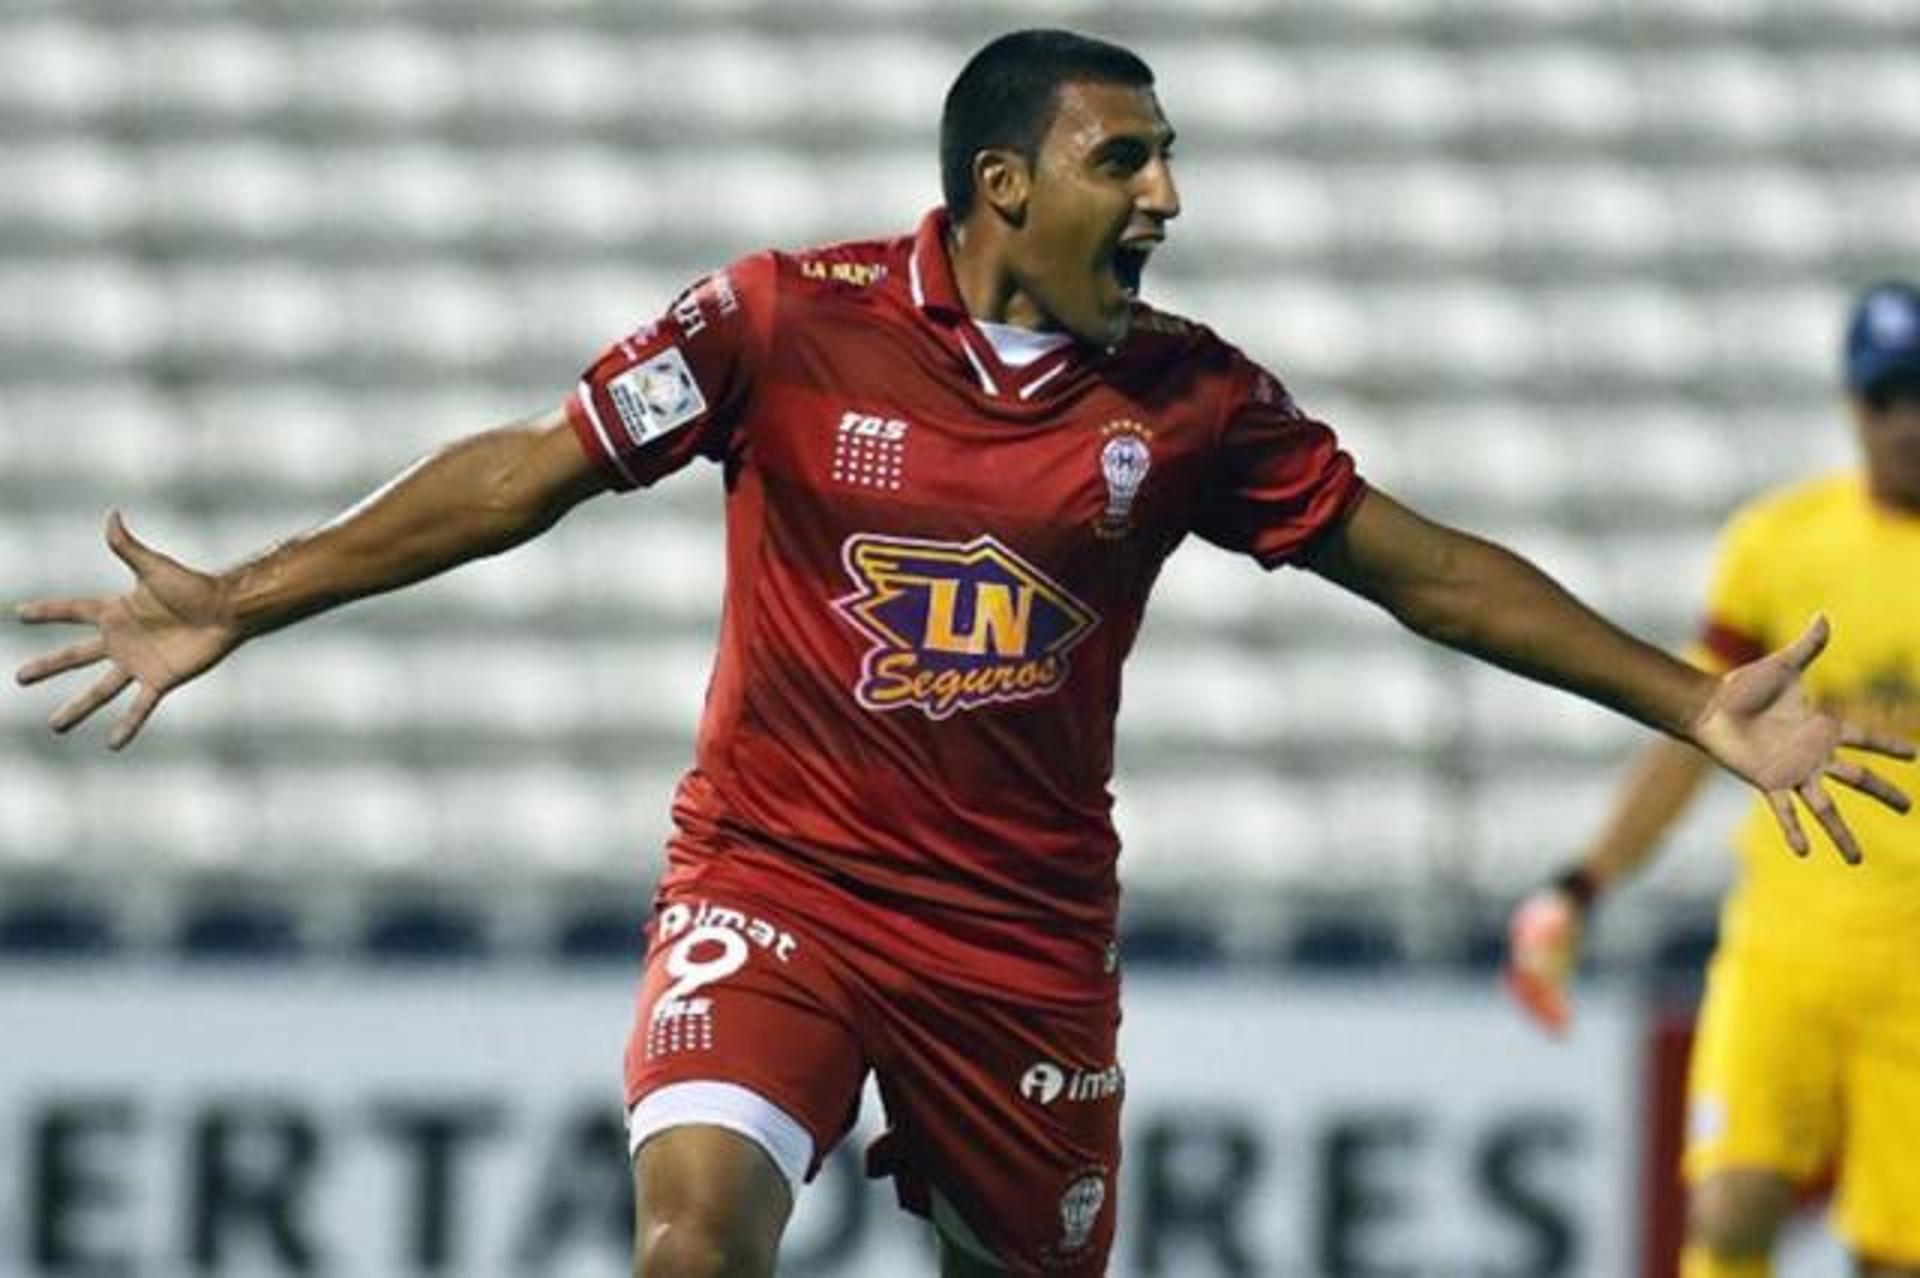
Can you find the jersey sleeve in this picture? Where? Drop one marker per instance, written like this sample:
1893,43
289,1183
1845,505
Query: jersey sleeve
1734,630
1279,477
676,388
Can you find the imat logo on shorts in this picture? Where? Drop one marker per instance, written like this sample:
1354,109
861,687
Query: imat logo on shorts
956,625
1046,1082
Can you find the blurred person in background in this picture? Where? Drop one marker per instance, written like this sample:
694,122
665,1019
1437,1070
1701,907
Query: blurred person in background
1807,1057
954,464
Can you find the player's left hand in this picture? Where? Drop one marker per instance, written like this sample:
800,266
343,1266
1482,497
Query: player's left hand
170,627
1761,725
1543,946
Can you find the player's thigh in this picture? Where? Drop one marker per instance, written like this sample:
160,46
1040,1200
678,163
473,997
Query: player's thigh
707,1200
1763,1084
1004,1129
742,1023
1877,1200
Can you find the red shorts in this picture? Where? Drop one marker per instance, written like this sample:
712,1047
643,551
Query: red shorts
1003,1116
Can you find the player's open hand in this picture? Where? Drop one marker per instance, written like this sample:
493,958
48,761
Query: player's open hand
1543,947
168,628
1762,725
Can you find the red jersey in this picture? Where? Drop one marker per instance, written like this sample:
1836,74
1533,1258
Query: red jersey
936,565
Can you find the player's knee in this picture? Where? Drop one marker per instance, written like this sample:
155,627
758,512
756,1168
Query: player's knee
707,1204
689,1245
1737,1215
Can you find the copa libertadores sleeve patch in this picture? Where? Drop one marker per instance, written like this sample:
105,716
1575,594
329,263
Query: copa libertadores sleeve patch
657,397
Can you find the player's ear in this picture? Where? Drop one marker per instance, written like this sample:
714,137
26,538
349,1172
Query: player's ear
1003,180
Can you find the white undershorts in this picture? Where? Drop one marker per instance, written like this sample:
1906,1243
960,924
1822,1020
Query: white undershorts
733,1107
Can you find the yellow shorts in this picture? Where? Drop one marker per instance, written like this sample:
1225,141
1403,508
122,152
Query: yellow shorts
1800,1067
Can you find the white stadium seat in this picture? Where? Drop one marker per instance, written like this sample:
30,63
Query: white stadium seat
442,315
415,192
75,189
1404,91
1874,209
210,70
1306,327
391,74
1639,332
1452,330
115,435
1610,212
329,820
265,312
592,195
1231,85
1470,454
103,308
1870,95
1666,452
328,683
1284,697
239,191
274,437
1577,93
58,69
1431,211
1778,214
1188,833
40,814
555,77
883,81
1243,202
1784,330
1726,95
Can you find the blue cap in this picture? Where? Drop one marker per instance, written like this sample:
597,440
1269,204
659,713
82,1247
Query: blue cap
1883,337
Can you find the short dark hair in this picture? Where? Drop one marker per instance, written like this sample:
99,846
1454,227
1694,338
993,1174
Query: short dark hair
1008,92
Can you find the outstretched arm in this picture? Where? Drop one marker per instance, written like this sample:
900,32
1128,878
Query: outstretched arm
1468,593
477,496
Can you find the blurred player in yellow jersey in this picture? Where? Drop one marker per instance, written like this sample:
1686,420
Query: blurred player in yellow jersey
1808,1052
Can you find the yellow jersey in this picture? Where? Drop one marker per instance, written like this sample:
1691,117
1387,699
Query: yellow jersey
1824,547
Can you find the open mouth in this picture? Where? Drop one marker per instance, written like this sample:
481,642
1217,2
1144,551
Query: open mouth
1129,263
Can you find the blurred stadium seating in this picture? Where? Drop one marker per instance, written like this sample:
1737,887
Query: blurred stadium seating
1568,271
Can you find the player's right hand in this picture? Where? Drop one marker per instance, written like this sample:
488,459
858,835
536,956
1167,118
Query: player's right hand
1764,725
169,627
1543,946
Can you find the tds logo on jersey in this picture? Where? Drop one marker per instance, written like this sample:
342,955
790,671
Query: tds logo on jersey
956,624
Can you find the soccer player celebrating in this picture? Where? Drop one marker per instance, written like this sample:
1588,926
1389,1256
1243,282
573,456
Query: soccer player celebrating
1808,1051
954,463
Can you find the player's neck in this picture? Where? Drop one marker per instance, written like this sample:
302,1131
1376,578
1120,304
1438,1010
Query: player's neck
987,285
